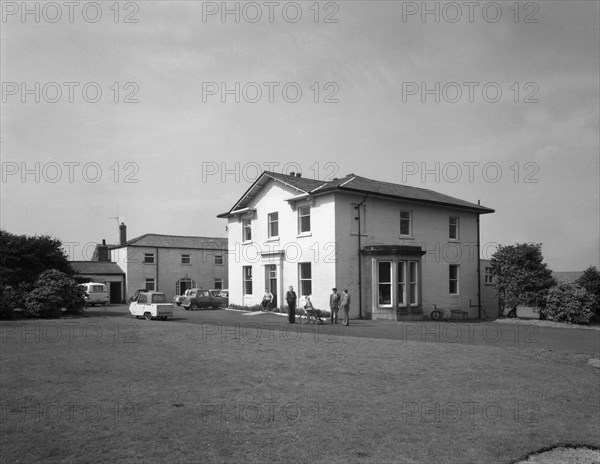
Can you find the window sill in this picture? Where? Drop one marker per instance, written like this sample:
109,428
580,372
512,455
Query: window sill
406,237
246,242
304,234
273,239
454,240
186,264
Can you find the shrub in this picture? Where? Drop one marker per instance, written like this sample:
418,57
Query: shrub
52,292
13,298
590,280
570,303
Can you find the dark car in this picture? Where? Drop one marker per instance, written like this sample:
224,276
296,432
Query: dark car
198,298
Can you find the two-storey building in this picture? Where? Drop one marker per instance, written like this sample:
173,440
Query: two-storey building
171,263
397,249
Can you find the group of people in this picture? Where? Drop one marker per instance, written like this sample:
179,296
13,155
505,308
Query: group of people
336,302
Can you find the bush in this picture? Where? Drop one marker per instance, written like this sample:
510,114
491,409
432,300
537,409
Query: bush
570,303
590,280
53,292
13,298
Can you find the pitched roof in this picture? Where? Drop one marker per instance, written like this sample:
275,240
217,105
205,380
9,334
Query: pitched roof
355,184
96,267
176,241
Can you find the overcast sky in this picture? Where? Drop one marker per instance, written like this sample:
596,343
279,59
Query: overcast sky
495,102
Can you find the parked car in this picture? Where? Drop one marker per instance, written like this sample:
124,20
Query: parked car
224,294
199,298
151,304
137,293
178,299
95,294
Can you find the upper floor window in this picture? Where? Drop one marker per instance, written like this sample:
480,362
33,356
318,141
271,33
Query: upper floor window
149,258
453,228
406,223
273,225
186,259
488,277
303,219
246,230
218,259
453,281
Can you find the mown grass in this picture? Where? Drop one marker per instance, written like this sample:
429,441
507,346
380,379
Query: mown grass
108,391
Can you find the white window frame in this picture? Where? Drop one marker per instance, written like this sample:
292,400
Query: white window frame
186,259
455,280
379,283
401,290
413,283
273,223
303,215
456,226
488,277
246,230
149,258
148,281
247,279
219,260
302,281
410,223
218,283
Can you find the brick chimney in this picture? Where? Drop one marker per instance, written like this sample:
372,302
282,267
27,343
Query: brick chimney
103,255
122,234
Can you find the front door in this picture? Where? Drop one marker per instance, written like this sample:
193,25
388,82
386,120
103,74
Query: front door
271,282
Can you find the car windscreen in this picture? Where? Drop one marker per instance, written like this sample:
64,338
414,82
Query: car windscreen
97,288
159,298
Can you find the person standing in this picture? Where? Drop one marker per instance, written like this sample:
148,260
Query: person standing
334,305
345,305
291,298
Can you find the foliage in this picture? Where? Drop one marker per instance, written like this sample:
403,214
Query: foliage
521,275
590,280
54,291
568,302
23,258
12,298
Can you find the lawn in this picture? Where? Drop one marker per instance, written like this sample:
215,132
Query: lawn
106,390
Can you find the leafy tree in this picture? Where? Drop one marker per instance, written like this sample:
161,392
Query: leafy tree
54,291
521,275
590,280
568,302
24,258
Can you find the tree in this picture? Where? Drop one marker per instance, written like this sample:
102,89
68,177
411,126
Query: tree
568,302
54,292
23,258
590,280
521,275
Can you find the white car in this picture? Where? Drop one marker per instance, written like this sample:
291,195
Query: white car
151,304
95,294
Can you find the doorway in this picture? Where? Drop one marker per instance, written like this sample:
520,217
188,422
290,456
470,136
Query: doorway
271,282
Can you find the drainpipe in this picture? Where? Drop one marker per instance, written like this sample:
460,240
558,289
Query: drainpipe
360,262
478,266
156,283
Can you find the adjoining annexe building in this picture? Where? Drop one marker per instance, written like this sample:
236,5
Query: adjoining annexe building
171,263
416,247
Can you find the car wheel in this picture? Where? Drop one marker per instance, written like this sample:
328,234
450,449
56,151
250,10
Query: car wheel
147,316
194,306
178,304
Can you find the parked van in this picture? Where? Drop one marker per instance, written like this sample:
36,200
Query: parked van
95,293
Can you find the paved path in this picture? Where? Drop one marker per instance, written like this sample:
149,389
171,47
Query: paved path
571,340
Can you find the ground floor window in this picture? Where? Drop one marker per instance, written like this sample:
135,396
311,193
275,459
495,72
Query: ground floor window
218,284
407,277
247,275
150,285
453,281
305,276
384,282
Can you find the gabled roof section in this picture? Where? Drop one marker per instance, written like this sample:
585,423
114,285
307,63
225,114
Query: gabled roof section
301,185
96,267
355,184
177,241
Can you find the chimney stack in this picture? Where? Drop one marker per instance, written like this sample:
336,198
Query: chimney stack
122,234
103,255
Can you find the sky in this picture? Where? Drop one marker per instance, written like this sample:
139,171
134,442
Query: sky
162,114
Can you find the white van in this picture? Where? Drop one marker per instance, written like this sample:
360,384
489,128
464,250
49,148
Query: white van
95,293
